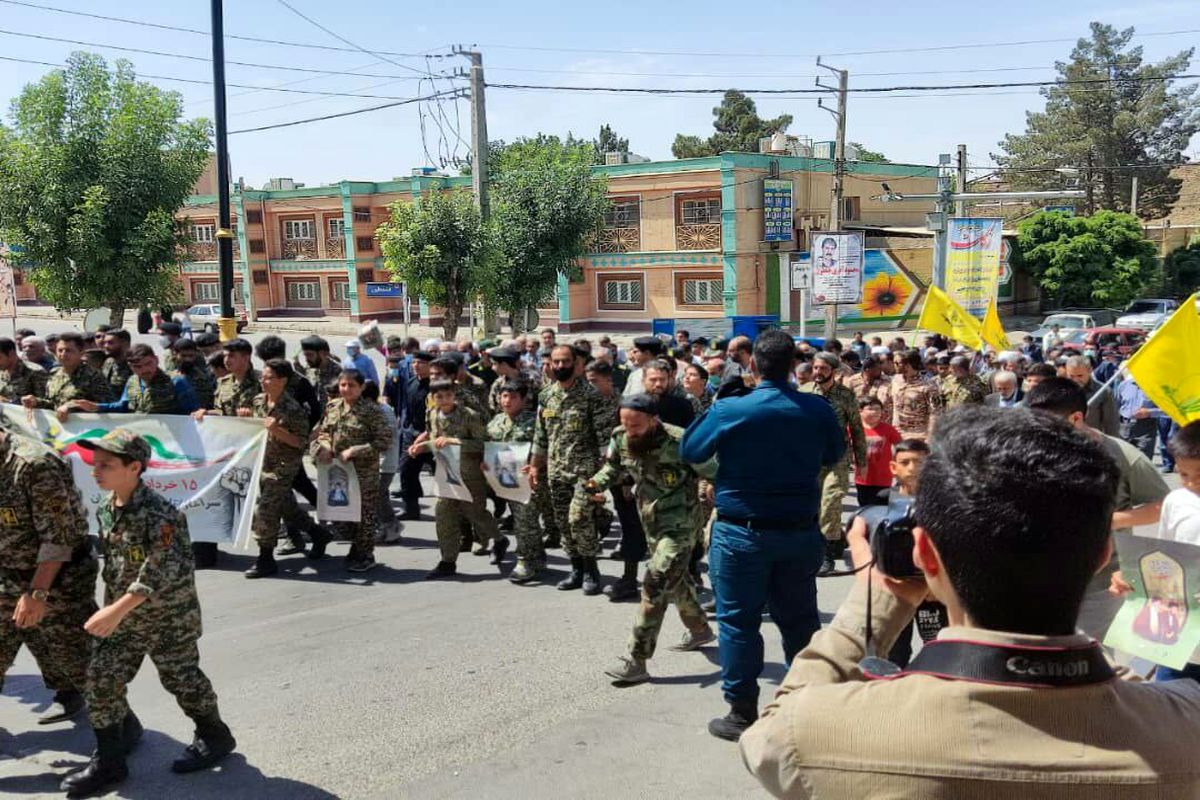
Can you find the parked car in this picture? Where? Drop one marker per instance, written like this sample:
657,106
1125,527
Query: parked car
1074,319
204,317
1123,340
1146,314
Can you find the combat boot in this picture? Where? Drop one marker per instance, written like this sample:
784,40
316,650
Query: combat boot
205,554
624,587
730,727
72,703
321,537
629,670
212,742
265,566
694,640
524,572
106,768
131,732
591,576
575,578
444,569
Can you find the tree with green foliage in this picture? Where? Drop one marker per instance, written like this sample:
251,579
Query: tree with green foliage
441,248
546,206
608,142
1181,270
738,128
1104,259
1119,117
93,170
870,156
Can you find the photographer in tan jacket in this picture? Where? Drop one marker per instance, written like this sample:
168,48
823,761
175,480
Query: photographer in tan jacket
1012,520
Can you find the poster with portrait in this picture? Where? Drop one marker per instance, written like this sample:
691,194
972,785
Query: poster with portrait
836,262
8,291
502,463
338,496
1160,619
447,474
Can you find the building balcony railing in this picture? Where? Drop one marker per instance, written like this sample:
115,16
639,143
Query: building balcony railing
299,249
619,240
698,237
207,251
335,247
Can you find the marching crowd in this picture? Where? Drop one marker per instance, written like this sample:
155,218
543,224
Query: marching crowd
649,436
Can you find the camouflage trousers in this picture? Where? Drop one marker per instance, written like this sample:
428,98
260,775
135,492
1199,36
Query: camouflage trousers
276,501
576,515
449,516
525,529
361,534
117,659
543,508
834,485
665,581
59,644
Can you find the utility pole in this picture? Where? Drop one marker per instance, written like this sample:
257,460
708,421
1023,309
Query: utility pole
960,208
227,324
479,151
839,172
1133,197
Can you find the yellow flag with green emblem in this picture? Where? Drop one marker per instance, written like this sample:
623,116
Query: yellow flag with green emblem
1167,367
992,331
941,314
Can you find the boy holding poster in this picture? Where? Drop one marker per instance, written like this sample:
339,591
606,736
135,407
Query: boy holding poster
515,423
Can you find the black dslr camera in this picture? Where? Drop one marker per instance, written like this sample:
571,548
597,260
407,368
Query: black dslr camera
891,534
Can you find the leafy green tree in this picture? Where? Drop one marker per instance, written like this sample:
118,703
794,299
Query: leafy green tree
1181,269
1104,259
872,156
92,171
1126,113
546,206
442,249
738,128
608,142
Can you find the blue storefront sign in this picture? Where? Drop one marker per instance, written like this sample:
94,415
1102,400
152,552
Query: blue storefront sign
385,290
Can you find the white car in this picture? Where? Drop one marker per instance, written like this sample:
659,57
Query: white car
204,317
1146,314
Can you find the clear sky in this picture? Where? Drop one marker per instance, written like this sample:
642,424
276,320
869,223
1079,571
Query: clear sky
717,44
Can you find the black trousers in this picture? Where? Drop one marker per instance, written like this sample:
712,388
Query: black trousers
1141,433
410,473
303,485
633,537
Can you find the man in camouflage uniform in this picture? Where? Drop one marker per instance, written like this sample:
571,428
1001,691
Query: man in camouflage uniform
149,390
319,368
191,365
515,423
916,401
73,380
960,387
239,388
835,481
150,608
507,363
872,382
19,378
573,427
116,369
453,423
47,571
667,493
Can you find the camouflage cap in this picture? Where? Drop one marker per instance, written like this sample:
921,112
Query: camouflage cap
121,442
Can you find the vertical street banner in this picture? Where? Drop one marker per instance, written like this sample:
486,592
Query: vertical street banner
339,498
778,210
836,267
208,469
973,261
8,288
1160,619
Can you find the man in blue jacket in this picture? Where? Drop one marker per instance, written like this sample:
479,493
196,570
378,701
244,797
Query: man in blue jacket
766,545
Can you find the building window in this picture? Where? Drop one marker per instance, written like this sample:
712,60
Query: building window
622,231
204,234
698,222
260,277
364,275
851,209
303,294
298,241
364,244
621,292
362,213
205,292
337,227
339,294
253,217
700,211
699,289
258,246
297,229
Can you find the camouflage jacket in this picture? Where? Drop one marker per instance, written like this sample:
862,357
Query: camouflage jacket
155,397
845,405
350,426
504,428
323,378
117,373
292,417
233,394
464,424
42,517
915,406
25,379
530,378
147,551
84,383
666,487
573,426
958,391
203,382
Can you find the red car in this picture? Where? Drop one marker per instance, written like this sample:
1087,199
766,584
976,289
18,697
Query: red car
1123,340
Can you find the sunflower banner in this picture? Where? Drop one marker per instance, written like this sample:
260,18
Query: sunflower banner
208,469
942,315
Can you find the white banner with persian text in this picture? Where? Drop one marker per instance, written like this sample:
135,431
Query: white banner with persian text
208,469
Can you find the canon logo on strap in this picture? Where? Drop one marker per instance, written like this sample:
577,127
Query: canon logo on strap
1034,668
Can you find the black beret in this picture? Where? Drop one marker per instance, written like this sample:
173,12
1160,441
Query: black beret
700,340
170,328
423,355
206,340
237,346
507,354
641,402
649,343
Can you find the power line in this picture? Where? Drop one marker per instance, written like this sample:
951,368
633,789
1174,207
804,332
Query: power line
341,38
340,114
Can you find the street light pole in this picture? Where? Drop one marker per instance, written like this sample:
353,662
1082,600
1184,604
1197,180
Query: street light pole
227,323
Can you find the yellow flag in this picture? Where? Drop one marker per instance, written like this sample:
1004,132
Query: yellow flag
992,331
1167,368
942,315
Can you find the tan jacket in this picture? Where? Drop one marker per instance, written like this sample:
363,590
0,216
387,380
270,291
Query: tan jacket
830,733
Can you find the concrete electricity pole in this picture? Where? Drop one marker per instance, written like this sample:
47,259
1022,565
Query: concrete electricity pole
839,172
1133,198
960,208
479,155
227,323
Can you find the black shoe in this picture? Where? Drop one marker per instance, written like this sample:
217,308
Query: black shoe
499,548
731,726
575,578
827,567
71,701
622,589
131,732
591,577
321,537
444,569
204,554
106,768
265,566
212,742
362,564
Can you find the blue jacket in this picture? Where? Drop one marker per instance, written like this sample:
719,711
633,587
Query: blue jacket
770,446
363,363
185,398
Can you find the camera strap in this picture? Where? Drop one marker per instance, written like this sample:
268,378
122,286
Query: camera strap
1013,665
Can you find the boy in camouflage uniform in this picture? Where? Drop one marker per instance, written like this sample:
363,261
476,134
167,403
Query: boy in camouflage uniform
47,572
73,380
515,423
667,494
150,608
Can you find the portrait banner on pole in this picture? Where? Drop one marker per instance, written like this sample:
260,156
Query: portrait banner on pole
836,268
1160,619
502,463
339,498
208,469
973,261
